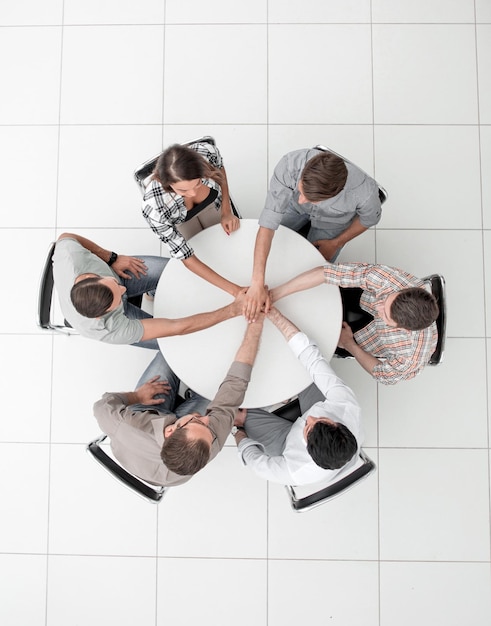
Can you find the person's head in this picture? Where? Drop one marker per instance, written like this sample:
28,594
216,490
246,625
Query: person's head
330,444
413,309
93,295
324,176
180,170
187,444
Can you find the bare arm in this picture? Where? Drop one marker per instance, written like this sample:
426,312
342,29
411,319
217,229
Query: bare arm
257,295
162,327
347,341
282,323
307,280
250,344
204,271
229,221
328,247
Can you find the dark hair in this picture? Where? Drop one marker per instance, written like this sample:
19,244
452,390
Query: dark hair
182,163
331,445
324,176
184,456
414,308
91,298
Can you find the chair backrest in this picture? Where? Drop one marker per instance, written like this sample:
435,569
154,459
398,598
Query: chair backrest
437,283
306,497
45,298
151,493
382,193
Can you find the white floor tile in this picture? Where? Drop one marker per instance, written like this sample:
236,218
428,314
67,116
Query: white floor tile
444,593
424,74
450,197
92,513
23,584
30,85
483,11
345,535
434,505
31,12
113,12
323,592
292,74
24,477
229,503
215,12
112,75
28,368
190,94
426,412
107,194
434,11
28,157
485,138
224,592
484,67
312,11
443,254
101,590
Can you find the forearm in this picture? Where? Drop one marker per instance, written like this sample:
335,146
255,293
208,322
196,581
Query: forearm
206,273
261,252
153,328
250,344
283,324
89,245
226,208
307,280
366,360
354,229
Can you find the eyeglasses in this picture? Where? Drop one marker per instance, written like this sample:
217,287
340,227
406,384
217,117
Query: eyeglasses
197,420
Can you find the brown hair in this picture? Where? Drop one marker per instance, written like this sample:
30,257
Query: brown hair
179,163
184,456
91,298
414,308
324,176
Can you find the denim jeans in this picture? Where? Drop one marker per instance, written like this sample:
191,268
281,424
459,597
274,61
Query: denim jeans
193,403
139,286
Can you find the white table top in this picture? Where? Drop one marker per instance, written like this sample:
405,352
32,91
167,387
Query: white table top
202,359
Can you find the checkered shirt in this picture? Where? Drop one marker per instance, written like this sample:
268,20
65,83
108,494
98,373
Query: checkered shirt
163,209
403,353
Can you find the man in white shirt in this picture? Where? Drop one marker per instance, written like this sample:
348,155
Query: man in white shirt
325,439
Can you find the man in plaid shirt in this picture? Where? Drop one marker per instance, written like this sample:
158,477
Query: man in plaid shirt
398,342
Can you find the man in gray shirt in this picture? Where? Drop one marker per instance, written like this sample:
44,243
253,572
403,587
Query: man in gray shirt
164,444
312,186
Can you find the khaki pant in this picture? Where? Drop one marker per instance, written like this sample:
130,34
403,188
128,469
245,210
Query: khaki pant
209,216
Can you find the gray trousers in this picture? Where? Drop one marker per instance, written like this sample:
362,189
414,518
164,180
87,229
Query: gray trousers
272,430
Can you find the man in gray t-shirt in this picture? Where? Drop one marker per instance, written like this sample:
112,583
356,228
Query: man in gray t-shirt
93,285
314,187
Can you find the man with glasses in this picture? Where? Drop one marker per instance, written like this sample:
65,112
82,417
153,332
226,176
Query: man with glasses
163,442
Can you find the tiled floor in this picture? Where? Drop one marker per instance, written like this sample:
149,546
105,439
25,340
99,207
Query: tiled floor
91,89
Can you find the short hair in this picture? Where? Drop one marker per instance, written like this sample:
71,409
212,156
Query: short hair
324,176
179,163
90,297
414,308
331,445
184,456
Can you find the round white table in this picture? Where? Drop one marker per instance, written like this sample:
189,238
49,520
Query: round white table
202,359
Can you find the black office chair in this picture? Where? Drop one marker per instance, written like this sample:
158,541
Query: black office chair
306,497
45,298
144,172
151,493
438,290
382,193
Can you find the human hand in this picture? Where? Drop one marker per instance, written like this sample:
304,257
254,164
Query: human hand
230,223
124,264
327,247
240,417
237,305
346,338
146,393
256,300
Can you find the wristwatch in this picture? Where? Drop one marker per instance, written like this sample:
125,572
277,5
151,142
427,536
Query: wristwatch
112,258
235,430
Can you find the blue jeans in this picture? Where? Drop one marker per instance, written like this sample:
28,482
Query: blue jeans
139,286
193,403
